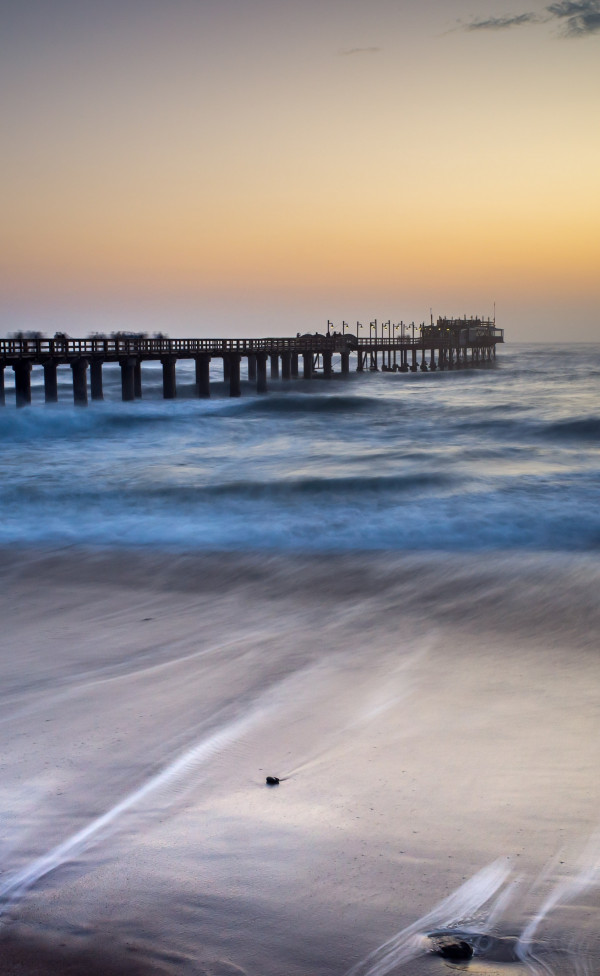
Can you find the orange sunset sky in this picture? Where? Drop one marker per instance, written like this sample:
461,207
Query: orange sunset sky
260,166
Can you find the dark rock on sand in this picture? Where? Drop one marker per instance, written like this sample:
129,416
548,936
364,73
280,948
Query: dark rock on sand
272,781
455,950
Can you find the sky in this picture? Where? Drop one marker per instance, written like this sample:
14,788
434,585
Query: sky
258,167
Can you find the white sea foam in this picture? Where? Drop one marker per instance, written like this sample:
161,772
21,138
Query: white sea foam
454,910
174,773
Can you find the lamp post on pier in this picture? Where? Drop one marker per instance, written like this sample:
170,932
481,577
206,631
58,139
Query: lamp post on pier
394,329
373,328
387,326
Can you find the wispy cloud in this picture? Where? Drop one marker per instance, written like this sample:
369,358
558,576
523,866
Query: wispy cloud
577,18
580,16
501,23
360,50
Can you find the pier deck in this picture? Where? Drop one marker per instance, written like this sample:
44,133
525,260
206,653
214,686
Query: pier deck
450,343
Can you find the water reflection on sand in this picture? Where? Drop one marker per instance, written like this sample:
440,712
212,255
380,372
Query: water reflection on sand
433,720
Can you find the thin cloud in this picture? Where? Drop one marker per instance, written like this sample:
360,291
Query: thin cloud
360,50
580,16
501,23
576,17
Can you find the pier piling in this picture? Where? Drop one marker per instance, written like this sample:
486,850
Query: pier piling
127,379
22,372
203,376
137,379
80,393
261,372
169,377
50,381
96,379
234,376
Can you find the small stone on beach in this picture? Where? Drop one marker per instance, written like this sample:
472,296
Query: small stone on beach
455,950
272,781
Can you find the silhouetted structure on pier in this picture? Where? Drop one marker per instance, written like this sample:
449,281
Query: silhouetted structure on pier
450,343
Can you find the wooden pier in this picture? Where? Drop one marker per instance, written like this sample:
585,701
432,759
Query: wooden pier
447,344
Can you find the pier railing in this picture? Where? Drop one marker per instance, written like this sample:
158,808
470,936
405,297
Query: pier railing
116,347
438,347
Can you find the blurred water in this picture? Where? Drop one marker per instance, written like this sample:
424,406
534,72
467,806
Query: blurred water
430,705
494,458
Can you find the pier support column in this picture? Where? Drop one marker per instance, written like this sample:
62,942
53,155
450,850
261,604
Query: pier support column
96,379
2,393
80,393
274,366
450,358
307,358
50,381
22,383
360,362
252,367
423,362
286,366
234,376
137,379
169,378
203,376
225,369
327,365
294,365
403,361
345,363
127,379
413,366
432,362
261,372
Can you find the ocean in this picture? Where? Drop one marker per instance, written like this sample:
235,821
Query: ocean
381,589
478,459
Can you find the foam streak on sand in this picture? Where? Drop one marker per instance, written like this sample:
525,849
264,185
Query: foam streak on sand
565,891
457,907
460,908
16,885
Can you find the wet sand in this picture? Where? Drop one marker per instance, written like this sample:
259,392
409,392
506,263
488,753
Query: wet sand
427,717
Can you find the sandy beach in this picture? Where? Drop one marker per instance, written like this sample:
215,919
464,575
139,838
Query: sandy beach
427,716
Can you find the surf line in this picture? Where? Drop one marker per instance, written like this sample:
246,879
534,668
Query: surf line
407,944
21,881
471,897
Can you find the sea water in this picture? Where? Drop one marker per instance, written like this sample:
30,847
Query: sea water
498,457
382,589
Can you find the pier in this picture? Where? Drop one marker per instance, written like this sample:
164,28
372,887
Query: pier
388,347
